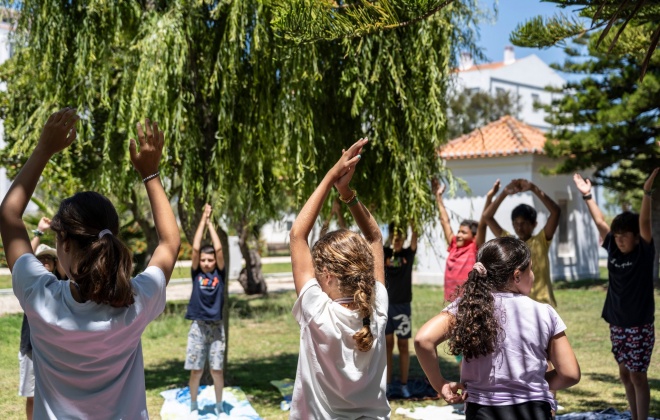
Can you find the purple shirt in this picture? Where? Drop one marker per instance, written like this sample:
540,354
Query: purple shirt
515,372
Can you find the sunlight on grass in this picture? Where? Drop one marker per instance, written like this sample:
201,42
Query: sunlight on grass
264,340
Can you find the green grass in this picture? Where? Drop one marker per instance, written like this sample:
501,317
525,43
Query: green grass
5,282
264,340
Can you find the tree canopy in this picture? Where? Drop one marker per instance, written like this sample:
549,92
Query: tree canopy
605,15
469,110
609,119
252,121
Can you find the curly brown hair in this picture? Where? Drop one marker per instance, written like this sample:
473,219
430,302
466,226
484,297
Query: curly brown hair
476,330
347,256
101,267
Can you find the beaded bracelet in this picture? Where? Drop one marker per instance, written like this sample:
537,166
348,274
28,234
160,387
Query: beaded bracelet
152,176
350,199
37,232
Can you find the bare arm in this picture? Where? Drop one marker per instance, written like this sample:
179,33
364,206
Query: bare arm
481,227
567,370
427,339
413,238
58,133
146,162
555,211
488,214
301,257
645,231
217,246
439,189
584,186
199,235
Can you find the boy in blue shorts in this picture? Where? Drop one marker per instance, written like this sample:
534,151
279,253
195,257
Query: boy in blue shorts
629,306
206,337
398,279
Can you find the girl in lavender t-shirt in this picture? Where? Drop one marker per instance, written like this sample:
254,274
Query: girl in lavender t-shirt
505,337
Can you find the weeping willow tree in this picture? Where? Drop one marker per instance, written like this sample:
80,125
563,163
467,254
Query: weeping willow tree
253,119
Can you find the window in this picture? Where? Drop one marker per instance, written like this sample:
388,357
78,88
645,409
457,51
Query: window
564,246
536,100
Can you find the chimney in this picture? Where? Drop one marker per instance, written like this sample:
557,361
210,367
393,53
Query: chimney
466,61
509,55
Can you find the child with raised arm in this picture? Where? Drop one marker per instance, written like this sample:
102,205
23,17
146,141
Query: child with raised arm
341,308
464,244
629,305
398,278
86,331
523,218
504,369
206,338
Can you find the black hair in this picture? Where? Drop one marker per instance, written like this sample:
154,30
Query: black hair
472,224
476,330
207,249
394,229
525,211
626,222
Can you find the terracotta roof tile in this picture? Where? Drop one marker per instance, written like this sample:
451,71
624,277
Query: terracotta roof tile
504,137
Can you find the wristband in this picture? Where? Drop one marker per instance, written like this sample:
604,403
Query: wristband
648,193
350,199
152,176
37,232
587,197
353,202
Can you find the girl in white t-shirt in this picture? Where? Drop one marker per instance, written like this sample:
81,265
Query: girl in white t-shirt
341,308
505,337
85,332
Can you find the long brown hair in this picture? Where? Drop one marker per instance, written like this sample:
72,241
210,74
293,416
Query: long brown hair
348,256
101,267
477,328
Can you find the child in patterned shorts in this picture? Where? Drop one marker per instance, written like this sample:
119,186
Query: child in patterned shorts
629,305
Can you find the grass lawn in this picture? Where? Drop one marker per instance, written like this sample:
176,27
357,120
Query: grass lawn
264,339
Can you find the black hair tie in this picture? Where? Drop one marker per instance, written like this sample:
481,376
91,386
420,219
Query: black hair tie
366,321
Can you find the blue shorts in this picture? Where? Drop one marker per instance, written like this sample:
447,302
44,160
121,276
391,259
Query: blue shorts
398,320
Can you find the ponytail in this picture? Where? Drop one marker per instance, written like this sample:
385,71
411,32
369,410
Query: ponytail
101,264
364,298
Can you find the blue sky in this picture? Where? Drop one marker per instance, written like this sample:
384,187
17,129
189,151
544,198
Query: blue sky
495,36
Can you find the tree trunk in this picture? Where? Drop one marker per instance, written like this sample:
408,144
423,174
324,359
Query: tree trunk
251,277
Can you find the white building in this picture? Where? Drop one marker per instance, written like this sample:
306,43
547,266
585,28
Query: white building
5,53
526,78
508,149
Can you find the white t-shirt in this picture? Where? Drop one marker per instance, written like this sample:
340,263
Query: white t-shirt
335,380
515,372
87,357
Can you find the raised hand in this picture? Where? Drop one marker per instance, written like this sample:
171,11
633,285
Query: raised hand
343,171
648,185
437,188
206,215
583,185
59,131
146,161
495,189
44,224
512,188
523,185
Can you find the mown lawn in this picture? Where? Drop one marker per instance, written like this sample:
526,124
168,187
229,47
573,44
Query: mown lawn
263,346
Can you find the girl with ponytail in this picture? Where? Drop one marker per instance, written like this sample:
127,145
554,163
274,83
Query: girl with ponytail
341,308
86,331
506,339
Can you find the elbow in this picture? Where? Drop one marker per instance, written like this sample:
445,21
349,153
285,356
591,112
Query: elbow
295,235
375,237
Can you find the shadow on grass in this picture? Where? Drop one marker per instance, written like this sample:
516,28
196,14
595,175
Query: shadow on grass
169,373
271,305
581,284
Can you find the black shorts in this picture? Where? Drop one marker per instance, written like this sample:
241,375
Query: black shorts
398,320
531,410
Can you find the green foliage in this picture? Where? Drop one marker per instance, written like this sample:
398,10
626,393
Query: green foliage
251,124
609,119
610,18
469,110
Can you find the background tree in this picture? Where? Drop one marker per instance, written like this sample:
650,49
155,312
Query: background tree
609,119
469,110
607,17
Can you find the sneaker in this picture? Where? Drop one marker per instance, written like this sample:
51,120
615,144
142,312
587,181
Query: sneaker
389,391
405,393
